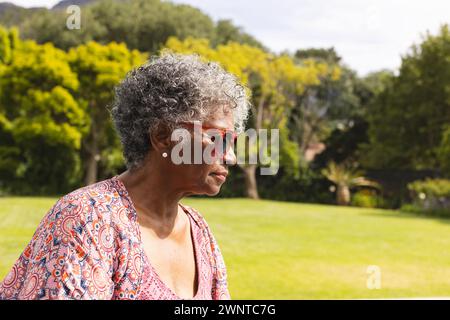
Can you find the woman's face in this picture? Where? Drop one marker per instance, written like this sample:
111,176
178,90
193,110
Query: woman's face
204,178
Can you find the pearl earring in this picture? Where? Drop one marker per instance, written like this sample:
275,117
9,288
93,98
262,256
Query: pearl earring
164,154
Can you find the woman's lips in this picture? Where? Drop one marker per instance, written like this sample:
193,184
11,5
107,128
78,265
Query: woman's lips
220,176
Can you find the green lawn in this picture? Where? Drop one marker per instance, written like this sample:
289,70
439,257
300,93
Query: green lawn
277,250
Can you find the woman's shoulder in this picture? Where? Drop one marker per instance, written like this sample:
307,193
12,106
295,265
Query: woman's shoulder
197,216
83,211
95,201
73,242
97,193
91,216
202,223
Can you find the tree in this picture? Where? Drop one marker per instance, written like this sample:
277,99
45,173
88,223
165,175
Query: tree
345,178
329,55
53,111
226,31
5,46
41,123
333,105
444,151
348,123
409,116
99,69
12,15
144,25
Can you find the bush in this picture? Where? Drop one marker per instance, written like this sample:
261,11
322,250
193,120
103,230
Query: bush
309,187
431,194
366,199
431,187
412,208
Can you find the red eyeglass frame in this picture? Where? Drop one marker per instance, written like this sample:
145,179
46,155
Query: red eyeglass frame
223,134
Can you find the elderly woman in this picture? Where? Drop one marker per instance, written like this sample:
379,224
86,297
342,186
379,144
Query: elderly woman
129,237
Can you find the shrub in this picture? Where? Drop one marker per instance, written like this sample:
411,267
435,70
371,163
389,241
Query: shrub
431,194
366,199
413,208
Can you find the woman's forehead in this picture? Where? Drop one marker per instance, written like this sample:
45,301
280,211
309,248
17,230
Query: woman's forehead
221,119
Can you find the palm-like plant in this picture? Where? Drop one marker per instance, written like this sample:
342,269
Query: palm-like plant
346,177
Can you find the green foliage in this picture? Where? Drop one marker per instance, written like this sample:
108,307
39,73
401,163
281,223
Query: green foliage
99,69
333,103
444,151
306,186
431,195
12,15
41,123
289,155
420,211
408,118
144,25
345,177
328,55
53,112
342,174
366,199
342,145
226,32
5,46
431,187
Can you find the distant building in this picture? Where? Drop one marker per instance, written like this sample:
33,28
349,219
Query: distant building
313,150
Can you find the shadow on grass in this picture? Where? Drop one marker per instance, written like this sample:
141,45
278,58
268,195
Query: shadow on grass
443,218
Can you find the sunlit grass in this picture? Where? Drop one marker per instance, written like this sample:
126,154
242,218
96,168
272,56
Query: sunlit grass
277,250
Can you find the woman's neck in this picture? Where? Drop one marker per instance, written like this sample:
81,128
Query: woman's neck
155,201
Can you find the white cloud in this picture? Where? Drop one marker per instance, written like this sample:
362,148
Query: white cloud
34,3
369,35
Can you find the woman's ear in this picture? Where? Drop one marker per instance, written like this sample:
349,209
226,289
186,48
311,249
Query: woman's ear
160,138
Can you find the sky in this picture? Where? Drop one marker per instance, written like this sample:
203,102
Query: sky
369,35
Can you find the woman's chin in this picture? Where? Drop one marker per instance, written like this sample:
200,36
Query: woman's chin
208,189
212,190
211,187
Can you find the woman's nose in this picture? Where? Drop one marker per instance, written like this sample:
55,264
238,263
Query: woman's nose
230,157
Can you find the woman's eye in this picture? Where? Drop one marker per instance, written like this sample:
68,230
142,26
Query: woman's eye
213,138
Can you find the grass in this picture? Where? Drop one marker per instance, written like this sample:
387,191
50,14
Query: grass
278,250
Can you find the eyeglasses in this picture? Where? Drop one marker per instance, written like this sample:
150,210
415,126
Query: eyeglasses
229,137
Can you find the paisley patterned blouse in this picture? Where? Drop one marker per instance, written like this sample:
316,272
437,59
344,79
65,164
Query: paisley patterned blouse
88,246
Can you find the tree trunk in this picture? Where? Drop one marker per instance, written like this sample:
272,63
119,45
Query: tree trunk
343,195
251,188
250,181
92,157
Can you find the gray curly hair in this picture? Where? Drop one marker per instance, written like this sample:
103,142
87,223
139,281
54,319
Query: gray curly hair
172,88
